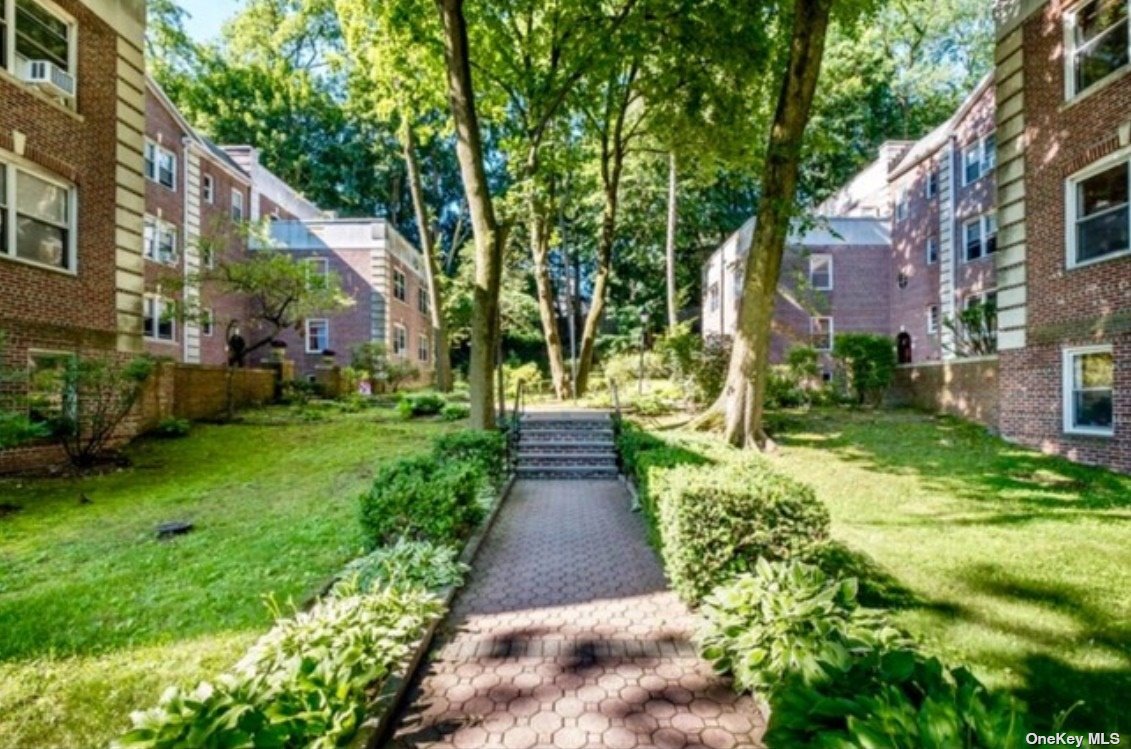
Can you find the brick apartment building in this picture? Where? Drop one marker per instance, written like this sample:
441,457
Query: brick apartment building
1063,83
72,121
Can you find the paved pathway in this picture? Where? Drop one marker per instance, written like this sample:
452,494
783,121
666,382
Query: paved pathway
567,636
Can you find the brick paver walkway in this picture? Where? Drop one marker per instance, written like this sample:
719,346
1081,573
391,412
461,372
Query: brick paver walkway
567,636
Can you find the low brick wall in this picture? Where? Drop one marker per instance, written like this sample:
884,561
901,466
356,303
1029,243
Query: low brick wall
967,388
200,392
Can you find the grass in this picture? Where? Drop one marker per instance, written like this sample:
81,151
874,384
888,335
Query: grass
1012,561
97,617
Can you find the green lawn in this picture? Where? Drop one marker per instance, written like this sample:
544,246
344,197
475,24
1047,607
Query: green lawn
97,617
1014,562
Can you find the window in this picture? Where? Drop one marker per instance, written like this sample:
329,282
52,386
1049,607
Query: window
317,271
207,322
237,205
208,189
713,297
208,255
821,333
160,165
400,340
1097,40
39,35
933,318
49,395
422,301
317,336
979,236
1099,218
932,188
160,241
821,272
987,299
158,322
399,285
1089,390
423,349
902,205
932,250
37,218
979,159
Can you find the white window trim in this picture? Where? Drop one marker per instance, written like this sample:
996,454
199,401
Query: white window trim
1068,372
934,314
237,200
159,304
306,343
398,328
933,177
983,170
982,221
932,241
158,150
208,188
1069,32
832,332
319,266
404,286
423,348
72,42
819,256
162,226
1072,209
902,205
13,165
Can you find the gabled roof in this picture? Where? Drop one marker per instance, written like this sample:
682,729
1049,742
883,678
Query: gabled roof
202,142
926,146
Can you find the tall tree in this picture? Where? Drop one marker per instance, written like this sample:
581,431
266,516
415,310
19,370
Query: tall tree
490,235
743,395
399,74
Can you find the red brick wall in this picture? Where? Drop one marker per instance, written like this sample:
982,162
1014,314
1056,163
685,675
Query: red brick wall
407,313
220,232
1065,307
910,304
974,199
964,388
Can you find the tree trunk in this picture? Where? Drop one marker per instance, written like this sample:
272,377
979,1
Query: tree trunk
441,350
540,250
600,283
490,238
744,394
673,308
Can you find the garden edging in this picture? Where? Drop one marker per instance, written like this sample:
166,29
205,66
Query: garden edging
378,726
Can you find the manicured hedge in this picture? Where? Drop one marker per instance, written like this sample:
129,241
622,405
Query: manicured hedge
487,450
423,499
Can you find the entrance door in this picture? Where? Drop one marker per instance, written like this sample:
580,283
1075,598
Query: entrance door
903,343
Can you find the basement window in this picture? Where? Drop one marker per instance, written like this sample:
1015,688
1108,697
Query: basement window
1089,391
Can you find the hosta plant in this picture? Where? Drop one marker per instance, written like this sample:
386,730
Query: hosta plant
786,618
405,564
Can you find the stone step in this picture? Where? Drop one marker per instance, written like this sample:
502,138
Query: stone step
566,434
566,472
568,460
534,444
566,424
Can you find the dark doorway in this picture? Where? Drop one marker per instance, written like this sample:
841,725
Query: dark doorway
903,344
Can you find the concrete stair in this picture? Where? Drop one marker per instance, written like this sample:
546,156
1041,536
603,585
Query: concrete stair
566,445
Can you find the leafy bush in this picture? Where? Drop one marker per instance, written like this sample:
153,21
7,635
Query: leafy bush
98,394
486,451
867,363
298,392
405,564
528,374
173,428
786,618
305,683
455,411
17,428
710,371
624,369
423,499
898,699
783,390
421,404
680,350
716,522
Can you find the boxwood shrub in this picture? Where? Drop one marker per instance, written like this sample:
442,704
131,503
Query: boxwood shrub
715,522
423,499
486,450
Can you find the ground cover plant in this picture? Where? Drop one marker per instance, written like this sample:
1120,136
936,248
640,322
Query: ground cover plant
98,616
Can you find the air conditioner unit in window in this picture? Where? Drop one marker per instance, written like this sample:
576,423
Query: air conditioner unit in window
49,78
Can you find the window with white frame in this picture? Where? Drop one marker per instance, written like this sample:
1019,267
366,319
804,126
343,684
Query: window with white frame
207,322
423,305
400,341
932,250
50,393
317,271
317,336
159,241
208,188
41,36
821,333
37,218
423,348
237,205
933,319
1099,214
1097,41
979,159
979,237
1089,390
821,272
399,285
157,319
160,165
932,187
902,205
713,297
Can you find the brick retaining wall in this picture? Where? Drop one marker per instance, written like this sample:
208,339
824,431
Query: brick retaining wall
967,388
